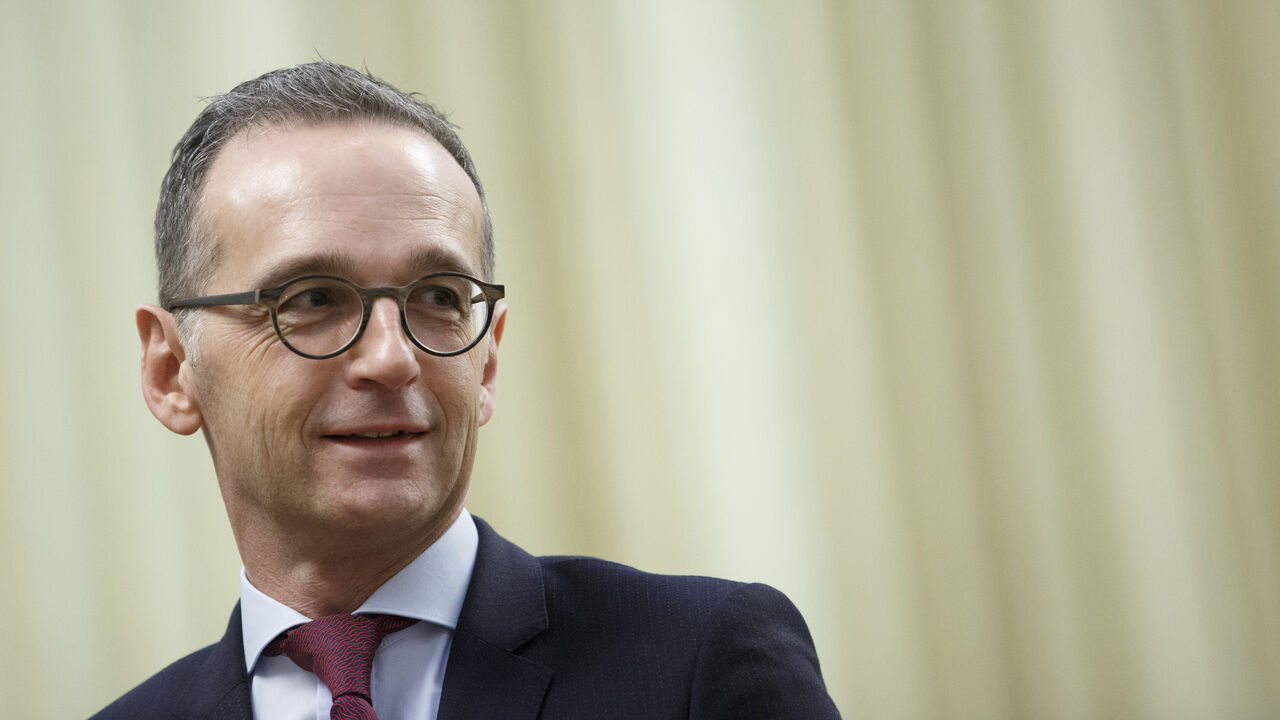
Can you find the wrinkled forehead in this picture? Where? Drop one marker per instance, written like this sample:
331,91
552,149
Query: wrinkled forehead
377,192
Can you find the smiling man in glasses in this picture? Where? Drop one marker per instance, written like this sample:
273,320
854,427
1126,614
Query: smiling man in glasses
329,320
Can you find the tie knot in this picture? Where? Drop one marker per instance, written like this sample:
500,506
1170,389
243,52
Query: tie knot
338,649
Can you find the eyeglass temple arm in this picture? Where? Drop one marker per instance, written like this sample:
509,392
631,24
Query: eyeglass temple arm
251,297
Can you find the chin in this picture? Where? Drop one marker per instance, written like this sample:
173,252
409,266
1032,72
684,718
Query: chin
393,509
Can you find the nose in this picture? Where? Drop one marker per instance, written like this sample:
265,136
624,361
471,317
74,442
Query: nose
383,354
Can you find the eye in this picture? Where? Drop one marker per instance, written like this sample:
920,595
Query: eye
436,296
441,296
316,297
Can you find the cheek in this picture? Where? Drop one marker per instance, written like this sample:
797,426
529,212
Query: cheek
456,385
255,343
255,392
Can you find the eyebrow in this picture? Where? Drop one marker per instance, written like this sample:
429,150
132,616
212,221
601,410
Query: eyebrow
425,262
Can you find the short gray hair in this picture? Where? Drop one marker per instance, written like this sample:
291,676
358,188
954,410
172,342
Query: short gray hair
312,93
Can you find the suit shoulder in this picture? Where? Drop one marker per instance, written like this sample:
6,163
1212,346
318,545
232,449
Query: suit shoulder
715,648
587,578
182,683
692,607
758,660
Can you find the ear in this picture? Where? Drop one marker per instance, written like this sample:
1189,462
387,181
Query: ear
165,386
489,382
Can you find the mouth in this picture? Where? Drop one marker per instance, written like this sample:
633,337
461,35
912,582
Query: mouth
373,435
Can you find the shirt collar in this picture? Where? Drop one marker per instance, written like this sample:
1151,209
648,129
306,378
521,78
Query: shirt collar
431,588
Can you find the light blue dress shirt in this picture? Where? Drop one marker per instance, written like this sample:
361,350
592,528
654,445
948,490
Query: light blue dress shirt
409,666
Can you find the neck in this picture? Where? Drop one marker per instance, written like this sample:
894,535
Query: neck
336,573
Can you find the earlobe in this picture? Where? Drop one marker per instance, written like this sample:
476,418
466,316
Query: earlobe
489,381
164,387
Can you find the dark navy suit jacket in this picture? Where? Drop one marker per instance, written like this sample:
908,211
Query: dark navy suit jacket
567,637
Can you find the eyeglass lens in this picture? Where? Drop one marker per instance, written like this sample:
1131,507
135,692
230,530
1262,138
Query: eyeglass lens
319,316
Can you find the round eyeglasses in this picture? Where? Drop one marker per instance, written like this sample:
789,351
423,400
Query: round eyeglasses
320,316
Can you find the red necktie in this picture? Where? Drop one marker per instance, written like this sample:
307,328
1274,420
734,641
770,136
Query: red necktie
339,649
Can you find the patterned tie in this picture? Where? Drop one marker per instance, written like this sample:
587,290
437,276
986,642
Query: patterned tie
339,649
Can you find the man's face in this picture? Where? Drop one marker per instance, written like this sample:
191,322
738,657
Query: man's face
380,206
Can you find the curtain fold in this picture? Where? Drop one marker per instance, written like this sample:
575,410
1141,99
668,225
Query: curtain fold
954,321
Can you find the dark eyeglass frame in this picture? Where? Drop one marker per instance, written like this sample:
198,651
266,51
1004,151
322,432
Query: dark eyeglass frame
270,298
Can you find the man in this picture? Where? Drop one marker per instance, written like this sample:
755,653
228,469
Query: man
328,320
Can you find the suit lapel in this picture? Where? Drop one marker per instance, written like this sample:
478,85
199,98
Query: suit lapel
504,609
235,705
223,691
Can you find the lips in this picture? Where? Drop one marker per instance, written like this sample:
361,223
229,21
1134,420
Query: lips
380,451
373,434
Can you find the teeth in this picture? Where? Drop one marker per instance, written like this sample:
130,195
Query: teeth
376,435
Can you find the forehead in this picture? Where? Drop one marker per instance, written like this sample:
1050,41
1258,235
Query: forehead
379,198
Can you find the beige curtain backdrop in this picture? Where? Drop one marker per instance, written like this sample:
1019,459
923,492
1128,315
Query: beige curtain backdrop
956,321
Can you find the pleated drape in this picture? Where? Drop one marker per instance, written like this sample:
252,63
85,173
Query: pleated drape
956,321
